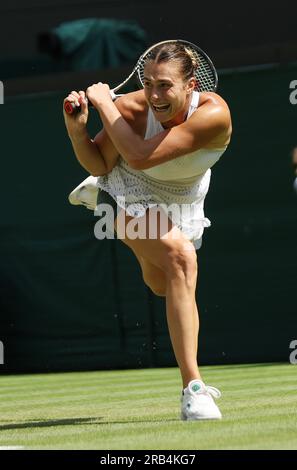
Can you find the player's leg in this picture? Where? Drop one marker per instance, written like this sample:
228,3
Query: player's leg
155,279
153,276
176,257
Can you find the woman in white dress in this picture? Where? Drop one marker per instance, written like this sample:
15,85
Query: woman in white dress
156,149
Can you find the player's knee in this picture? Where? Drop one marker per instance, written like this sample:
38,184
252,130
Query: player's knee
182,261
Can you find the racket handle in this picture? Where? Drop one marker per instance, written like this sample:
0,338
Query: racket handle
71,107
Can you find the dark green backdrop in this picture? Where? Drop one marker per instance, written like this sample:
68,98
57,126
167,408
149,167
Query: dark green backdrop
71,302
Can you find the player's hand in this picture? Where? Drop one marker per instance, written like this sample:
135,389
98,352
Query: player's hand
98,93
77,121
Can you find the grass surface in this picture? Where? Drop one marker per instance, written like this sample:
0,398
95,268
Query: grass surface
139,409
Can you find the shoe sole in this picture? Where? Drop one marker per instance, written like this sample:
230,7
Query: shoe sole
76,200
210,418
73,197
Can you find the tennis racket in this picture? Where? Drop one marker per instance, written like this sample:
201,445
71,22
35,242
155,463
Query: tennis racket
205,74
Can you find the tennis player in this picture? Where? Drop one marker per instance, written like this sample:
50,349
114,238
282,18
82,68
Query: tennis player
156,149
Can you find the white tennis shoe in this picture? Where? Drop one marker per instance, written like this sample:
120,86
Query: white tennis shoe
197,402
85,193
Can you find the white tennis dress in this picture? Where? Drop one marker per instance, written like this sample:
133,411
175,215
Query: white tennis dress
179,186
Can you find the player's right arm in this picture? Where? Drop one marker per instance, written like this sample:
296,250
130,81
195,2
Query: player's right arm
97,156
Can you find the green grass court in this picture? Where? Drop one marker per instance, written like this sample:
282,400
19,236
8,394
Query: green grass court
139,409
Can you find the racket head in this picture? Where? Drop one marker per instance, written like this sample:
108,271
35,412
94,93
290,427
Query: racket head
205,74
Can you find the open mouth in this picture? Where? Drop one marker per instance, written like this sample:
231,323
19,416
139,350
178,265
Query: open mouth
160,108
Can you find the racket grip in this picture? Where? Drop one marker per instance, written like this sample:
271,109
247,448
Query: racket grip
70,107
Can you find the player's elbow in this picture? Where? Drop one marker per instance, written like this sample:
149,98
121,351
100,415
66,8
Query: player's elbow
99,171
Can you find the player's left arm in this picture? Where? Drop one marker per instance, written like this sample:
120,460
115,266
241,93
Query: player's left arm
209,123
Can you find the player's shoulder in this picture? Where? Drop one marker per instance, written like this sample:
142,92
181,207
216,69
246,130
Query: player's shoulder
213,109
213,112
213,100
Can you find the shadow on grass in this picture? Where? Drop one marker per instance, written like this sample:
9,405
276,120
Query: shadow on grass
75,421
51,422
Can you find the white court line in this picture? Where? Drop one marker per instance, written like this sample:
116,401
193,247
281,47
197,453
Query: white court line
11,447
